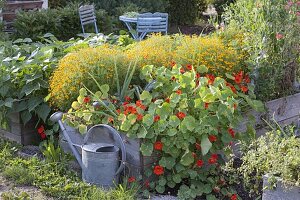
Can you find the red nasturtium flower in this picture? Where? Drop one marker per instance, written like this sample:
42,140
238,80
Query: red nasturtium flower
43,135
158,170
189,67
173,78
198,146
213,159
197,75
181,115
182,70
168,100
127,98
131,179
231,87
238,77
211,78
179,92
244,88
125,103
158,145
140,105
233,197
110,120
118,111
206,105
231,132
41,129
87,99
139,117
212,138
156,118
200,163
173,63
247,79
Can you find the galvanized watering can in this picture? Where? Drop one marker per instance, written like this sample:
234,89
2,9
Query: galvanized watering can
99,162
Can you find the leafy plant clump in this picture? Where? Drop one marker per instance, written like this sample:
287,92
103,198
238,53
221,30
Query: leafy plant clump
186,121
275,154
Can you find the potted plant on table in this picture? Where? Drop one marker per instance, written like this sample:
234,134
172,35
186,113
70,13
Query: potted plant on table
275,160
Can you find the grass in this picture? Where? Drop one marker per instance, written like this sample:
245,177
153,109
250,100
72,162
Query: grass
54,179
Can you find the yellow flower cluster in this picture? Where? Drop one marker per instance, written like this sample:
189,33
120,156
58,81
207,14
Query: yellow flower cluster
74,69
215,52
209,51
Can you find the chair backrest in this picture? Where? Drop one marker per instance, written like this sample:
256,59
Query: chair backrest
87,16
152,22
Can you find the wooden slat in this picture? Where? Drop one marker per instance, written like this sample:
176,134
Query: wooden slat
86,11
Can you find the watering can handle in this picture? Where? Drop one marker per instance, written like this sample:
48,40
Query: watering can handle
117,137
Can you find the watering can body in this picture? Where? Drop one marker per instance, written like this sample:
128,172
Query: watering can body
101,162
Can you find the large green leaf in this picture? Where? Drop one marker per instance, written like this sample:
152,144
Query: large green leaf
147,149
25,116
205,145
187,158
29,88
33,102
43,111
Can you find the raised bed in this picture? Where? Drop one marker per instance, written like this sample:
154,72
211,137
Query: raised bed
20,133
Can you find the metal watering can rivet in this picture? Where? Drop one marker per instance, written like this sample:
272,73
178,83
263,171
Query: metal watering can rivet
99,161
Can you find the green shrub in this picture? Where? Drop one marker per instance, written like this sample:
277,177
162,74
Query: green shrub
185,11
64,23
271,37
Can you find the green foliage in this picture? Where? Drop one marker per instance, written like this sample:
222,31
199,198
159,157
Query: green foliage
15,196
19,174
52,151
271,37
185,11
55,179
64,23
275,154
25,67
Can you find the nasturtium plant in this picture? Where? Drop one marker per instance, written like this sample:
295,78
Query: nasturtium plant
187,123
189,119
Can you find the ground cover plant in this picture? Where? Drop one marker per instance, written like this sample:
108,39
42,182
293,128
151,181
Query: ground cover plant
186,121
53,178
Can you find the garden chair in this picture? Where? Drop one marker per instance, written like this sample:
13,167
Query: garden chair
151,23
87,16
